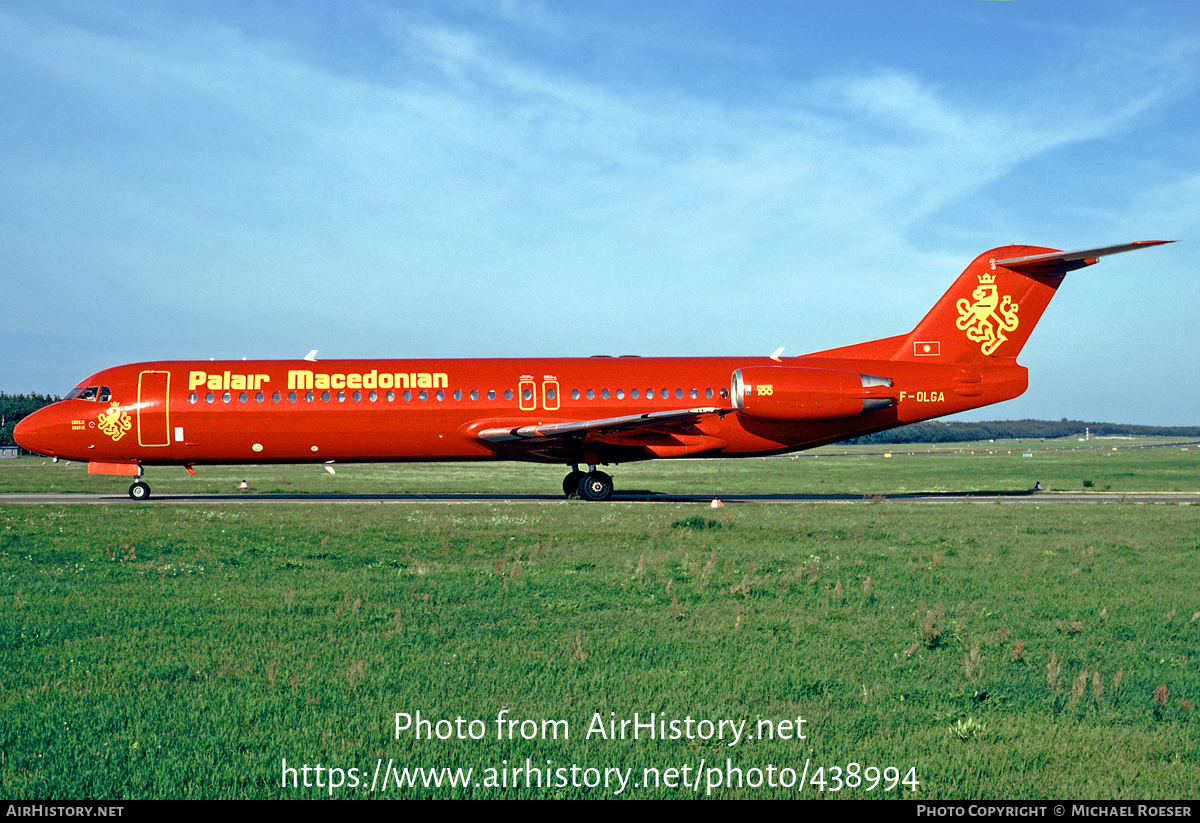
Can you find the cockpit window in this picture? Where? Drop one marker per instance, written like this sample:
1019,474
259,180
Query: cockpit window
100,393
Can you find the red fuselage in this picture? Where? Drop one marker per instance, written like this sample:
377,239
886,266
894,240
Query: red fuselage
398,410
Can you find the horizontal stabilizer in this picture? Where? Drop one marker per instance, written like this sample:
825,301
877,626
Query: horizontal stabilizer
1061,261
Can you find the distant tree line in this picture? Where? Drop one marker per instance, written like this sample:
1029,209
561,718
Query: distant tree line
15,406
933,431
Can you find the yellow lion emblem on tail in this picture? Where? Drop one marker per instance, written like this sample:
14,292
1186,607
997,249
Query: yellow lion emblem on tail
989,317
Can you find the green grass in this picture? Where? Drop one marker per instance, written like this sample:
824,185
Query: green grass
185,652
1111,464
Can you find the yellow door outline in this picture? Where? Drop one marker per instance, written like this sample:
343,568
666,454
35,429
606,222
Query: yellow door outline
154,390
527,394
550,394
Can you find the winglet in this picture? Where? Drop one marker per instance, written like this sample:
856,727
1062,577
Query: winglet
1064,261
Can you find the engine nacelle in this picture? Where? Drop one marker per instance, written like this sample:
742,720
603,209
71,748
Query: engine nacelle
785,393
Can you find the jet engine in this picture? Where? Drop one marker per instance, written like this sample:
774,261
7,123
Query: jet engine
785,393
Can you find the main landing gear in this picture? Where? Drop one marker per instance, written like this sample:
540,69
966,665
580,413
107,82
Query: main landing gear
592,485
139,491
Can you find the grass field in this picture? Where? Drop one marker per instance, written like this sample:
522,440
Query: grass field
933,651
1100,464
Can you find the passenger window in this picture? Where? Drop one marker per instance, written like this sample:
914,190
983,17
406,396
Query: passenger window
258,398
391,395
292,397
192,398
325,397
591,394
604,393
424,395
210,398
458,394
508,394
574,394
634,394
227,397
243,397
276,397
695,394
474,394
441,395
357,396
708,393
308,397
491,394
620,394
373,396
341,397
407,395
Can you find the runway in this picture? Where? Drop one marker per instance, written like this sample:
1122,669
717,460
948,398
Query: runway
1147,498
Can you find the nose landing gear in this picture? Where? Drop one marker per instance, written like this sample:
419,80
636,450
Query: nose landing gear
139,491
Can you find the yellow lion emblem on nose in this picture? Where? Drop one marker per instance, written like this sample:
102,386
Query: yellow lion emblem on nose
114,422
989,317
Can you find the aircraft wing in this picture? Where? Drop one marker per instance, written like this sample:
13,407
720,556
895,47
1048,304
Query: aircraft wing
658,422
674,433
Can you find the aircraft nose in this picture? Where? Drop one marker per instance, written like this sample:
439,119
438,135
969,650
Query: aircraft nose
34,433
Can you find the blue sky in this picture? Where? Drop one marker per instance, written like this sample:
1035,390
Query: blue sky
461,179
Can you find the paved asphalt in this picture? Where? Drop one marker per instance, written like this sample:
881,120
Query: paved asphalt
1158,498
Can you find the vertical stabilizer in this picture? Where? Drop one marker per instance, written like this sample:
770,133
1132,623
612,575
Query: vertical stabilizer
988,312
993,306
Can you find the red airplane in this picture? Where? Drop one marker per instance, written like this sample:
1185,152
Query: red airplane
594,411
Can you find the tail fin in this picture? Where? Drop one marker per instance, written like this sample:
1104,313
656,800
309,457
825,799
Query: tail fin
993,306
